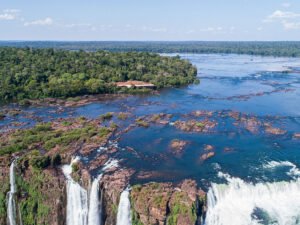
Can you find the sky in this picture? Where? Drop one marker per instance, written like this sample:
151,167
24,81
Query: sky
150,20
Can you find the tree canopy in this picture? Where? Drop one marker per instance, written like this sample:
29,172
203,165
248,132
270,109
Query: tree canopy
263,48
27,73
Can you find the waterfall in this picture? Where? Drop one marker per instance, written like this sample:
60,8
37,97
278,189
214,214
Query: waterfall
124,215
79,212
95,206
241,203
11,209
77,199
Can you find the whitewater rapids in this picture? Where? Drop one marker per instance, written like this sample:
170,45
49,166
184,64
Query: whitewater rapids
241,203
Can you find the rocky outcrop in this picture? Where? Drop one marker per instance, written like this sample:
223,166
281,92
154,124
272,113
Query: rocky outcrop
164,203
203,126
186,204
296,135
269,129
202,113
177,146
206,156
4,187
112,185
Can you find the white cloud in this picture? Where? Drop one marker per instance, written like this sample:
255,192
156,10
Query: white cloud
286,5
291,25
219,29
153,29
286,18
260,29
42,22
72,25
11,10
208,29
9,14
279,15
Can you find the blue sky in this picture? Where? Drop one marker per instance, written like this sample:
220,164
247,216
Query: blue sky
172,20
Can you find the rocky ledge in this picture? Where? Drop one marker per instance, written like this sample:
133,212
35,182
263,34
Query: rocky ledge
166,203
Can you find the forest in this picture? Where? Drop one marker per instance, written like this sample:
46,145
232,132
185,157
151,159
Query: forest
27,73
272,48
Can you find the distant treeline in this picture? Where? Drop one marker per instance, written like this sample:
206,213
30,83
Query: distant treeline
27,73
286,49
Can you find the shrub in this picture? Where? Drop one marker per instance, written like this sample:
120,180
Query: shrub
40,162
56,160
106,116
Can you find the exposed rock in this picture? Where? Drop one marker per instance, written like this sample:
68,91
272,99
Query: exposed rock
46,188
99,161
196,126
177,146
296,135
85,179
209,147
112,186
184,203
251,124
150,202
200,113
234,115
124,115
206,156
160,118
164,203
272,130
4,187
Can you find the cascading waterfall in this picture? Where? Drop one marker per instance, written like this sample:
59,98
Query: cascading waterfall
95,206
77,199
11,208
124,215
241,203
79,212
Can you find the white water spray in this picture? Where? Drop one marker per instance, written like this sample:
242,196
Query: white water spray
124,215
11,209
79,212
77,199
241,203
95,206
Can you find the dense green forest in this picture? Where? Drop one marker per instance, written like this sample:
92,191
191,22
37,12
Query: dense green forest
286,48
27,73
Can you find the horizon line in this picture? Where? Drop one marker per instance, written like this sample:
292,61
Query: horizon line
149,41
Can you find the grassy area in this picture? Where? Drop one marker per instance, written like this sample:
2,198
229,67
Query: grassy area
179,207
44,136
